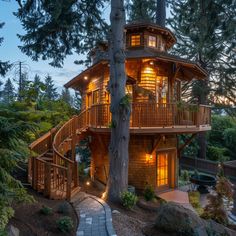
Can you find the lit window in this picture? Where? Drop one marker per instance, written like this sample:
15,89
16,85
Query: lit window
135,40
152,41
95,97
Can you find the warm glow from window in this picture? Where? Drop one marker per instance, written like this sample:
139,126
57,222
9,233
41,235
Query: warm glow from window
152,41
162,169
135,40
96,97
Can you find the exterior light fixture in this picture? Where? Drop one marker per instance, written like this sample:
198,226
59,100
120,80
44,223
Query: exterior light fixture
151,63
87,183
148,158
85,77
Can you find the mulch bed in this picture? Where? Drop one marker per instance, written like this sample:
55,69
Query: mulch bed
31,222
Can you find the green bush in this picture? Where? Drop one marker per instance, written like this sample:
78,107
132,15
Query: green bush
149,193
217,154
63,208
65,224
185,175
128,199
46,210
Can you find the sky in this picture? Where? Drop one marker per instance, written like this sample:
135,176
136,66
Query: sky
9,50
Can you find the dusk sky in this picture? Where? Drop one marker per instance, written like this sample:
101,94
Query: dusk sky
9,50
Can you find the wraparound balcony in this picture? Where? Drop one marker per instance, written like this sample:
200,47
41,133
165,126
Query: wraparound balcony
152,118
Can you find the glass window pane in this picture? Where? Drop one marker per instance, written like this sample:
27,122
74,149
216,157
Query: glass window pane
152,41
135,40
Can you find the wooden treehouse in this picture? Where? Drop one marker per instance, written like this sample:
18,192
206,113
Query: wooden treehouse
154,79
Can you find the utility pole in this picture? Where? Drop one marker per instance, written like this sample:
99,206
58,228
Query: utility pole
20,81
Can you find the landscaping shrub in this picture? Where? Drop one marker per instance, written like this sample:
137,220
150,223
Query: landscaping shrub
149,193
63,208
46,210
194,199
65,224
185,175
128,199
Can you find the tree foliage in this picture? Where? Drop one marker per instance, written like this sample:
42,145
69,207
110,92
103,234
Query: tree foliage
4,65
54,29
206,33
13,150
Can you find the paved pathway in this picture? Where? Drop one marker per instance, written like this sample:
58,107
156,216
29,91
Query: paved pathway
94,216
177,196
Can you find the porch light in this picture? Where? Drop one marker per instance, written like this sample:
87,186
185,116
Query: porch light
87,183
151,63
148,158
85,77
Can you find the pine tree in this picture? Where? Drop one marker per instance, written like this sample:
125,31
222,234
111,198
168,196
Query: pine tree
50,90
66,97
206,33
54,29
38,87
141,10
77,101
4,66
23,86
8,92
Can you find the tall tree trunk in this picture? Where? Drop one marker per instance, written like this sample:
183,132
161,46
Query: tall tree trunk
161,13
120,106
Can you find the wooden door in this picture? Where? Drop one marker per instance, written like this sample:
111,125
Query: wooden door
163,170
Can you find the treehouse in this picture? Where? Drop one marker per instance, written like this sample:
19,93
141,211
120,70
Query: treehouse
154,82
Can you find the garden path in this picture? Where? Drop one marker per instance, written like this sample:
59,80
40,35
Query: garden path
94,216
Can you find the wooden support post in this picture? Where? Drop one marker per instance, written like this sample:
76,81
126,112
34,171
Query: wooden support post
155,146
68,183
34,173
47,179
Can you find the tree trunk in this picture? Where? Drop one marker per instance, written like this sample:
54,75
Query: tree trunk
120,106
161,13
234,199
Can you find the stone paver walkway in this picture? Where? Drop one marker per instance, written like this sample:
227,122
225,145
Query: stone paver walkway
177,196
94,216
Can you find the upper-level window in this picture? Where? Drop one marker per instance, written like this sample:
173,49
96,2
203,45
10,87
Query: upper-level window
135,40
152,41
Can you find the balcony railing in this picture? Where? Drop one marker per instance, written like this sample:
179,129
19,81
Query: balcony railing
146,115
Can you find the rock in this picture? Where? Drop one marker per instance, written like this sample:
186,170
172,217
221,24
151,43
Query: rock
115,212
174,218
13,231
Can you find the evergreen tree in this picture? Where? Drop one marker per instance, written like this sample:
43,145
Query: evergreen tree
56,28
66,97
141,10
4,66
8,92
206,33
38,87
77,101
23,86
50,90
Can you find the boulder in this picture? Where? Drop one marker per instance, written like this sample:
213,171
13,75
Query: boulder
174,218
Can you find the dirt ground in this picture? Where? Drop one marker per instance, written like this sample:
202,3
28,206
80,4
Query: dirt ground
31,222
